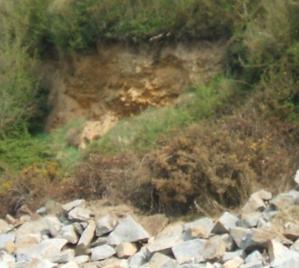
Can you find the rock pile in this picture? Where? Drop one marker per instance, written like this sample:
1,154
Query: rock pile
263,235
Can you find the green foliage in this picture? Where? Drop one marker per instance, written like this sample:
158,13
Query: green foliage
66,154
70,26
23,30
140,19
24,150
260,46
142,132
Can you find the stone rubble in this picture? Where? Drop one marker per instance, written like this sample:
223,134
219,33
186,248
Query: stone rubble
76,238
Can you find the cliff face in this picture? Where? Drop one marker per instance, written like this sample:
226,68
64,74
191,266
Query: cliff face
120,81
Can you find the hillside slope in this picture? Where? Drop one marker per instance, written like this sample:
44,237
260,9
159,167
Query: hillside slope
181,106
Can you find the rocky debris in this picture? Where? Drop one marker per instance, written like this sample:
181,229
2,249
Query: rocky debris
171,236
87,236
128,230
105,225
68,232
125,250
79,214
79,239
234,263
102,252
200,228
73,204
189,251
160,261
54,225
225,223
4,226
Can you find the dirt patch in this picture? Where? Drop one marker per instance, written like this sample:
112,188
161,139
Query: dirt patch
124,81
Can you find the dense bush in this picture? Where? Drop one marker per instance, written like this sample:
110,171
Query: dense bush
19,78
78,25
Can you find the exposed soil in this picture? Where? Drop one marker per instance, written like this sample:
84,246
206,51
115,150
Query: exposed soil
120,81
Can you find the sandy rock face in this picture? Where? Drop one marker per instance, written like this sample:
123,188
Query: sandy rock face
120,81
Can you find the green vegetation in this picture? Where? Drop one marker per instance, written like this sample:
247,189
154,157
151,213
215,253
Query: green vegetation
142,132
259,89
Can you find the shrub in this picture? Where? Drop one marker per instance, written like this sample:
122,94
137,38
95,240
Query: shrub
25,150
19,79
31,187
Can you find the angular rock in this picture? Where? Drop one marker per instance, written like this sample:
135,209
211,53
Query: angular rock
105,225
253,204
79,214
10,219
283,201
255,256
250,220
189,251
4,226
277,250
128,230
259,238
100,241
262,194
80,227
70,265
53,224
140,258
200,228
240,236
40,263
295,246
230,255
290,260
68,232
295,194
87,235
125,250
64,256
33,227
154,224
6,239
200,265
113,263
27,241
81,259
214,249
74,204
172,235
225,223
255,264
91,265
161,261
102,252
41,211
291,231
46,249
233,263
228,241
